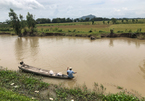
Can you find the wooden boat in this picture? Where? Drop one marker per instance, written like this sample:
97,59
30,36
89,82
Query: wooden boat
43,72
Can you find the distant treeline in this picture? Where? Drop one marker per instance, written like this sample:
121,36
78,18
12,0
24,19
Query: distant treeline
64,20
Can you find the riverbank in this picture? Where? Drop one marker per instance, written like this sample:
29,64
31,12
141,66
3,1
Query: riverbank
92,36
30,85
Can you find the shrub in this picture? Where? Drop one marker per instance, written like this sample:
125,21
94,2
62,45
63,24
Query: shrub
60,30
69,30
47,30
120,97
139,30
74,30
4,29
90,31
55,29
130,31
119,31
41,29
101,31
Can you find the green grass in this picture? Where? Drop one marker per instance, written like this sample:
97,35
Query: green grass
120,97
98,27
85,28
119,87
7,95
21,86
21,83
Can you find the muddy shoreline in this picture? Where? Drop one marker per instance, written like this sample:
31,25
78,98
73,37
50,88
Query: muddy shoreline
93,37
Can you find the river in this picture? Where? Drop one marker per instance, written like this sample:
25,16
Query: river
109,61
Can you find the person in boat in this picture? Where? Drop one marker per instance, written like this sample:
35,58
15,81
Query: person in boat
70,72
21,63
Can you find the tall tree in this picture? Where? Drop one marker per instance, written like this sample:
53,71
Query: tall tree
103,22
114,20
136,20
133,20
15,22
92,22
31,23
126,20
108,21
122,20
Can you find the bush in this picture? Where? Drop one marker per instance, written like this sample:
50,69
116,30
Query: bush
119,31
69,30
90,31
4,29
120,97
130,31
55,29
139,30
74,30
101,31
60,30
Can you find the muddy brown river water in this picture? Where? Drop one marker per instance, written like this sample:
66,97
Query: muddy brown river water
109,61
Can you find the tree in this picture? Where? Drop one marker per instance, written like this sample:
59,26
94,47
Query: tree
31,23
136,20
103,22
76,20
108,21
16,24
8,21
126,20
133,20
122,20
92,22
114,20
87,19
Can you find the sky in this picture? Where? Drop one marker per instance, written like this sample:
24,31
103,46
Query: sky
73,8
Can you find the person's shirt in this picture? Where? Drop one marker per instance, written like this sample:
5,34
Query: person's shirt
70,73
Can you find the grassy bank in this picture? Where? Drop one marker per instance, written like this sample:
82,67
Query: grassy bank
85,28
16,85
7,95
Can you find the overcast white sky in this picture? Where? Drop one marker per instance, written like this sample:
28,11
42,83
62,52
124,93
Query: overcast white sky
73,8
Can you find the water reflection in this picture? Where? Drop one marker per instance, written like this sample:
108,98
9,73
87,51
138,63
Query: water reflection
111,43
25,47
130,41
142,68
106,60
71,83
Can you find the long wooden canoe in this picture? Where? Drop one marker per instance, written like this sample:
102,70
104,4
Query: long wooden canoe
43,72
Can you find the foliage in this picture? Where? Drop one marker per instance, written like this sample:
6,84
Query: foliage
114,20
43,20
92,22
4,29
79,93
16,23
31,22
108,21
6,95
120,97
90,31
119,87
31,86
21,83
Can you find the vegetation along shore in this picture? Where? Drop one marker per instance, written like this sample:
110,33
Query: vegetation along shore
94,28
16,85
